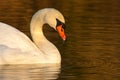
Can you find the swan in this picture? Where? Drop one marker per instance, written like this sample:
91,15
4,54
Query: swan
17,48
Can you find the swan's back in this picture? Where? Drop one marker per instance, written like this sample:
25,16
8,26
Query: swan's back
17,48
13,38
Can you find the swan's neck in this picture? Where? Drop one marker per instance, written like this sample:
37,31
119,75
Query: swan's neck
47,48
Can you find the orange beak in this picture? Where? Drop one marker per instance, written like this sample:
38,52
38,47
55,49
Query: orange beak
61,32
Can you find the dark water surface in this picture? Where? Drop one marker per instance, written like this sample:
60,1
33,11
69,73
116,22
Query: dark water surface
92,50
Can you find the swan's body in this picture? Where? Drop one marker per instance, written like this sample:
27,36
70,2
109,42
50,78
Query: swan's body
17,48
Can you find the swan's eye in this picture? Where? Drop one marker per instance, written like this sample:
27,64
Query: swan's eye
63,26
60,23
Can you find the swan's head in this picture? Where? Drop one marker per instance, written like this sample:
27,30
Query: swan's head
56,20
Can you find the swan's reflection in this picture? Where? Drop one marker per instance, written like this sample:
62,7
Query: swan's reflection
29,72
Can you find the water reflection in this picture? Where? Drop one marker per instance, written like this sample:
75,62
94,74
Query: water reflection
29,72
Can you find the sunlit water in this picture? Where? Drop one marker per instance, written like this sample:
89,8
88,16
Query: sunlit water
91,51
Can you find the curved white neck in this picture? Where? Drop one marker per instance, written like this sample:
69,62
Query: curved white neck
47,48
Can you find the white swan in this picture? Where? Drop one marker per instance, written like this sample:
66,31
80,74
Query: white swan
17,48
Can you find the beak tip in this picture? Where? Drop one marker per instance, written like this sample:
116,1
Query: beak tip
64,39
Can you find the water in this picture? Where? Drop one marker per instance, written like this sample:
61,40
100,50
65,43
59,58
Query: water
91,51
29,72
